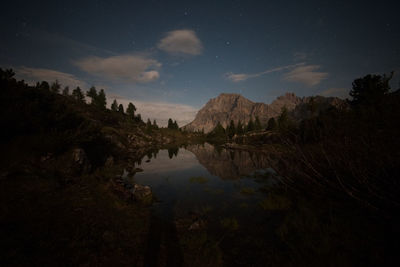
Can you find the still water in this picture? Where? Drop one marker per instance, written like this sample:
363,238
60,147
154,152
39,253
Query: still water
201,178
219,207
211,206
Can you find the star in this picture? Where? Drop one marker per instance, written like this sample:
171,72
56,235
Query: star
228,43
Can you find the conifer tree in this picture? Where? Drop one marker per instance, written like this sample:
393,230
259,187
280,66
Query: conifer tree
121,109
239,128
257,124
131,110
101,100
114,105
92,93
55,87
78,95
65,91
230,130
155,124
250,126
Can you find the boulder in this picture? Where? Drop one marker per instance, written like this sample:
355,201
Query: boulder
142,193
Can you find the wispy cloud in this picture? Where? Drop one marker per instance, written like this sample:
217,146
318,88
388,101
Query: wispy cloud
132,68
160,111
238,77
33,75
181,42
306,74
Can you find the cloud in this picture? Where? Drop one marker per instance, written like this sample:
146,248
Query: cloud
181,42
160,111
306,74
33,75
133,68
244,76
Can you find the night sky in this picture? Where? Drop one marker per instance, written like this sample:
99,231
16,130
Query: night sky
169,58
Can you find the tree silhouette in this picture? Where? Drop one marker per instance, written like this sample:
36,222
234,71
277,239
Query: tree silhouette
239,128
121,109
44,86
170,124
101,100
370,89
65,91
155,124
271,124
131,110
250,126
55,87
77,94
230,130
114,105
257,124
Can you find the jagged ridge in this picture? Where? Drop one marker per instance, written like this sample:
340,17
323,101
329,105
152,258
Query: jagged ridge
227,107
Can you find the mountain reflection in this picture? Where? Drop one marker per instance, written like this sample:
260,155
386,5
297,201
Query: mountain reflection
229,164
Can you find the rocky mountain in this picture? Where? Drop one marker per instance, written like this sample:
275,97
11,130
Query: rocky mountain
227,107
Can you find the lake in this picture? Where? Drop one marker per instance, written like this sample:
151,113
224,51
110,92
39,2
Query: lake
218,206
209,198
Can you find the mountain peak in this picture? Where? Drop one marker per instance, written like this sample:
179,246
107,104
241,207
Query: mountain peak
227,107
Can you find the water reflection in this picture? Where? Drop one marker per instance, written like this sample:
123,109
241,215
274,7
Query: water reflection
229,164
228,207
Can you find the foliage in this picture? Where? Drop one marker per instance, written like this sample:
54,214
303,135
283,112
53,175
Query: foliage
370,90
65,91
77,94
172,124
250,126
121,109
257,124
231,130
271,124
55,87
114,105
131,110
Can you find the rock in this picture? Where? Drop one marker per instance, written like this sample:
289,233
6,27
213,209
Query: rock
78,163
227,107
142,193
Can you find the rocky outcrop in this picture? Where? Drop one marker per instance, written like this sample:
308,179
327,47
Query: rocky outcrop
227,107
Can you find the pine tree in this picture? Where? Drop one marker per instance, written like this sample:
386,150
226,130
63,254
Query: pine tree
271,124
65,91
139,117
92,93
55,87
175,126
283,119
170,124
218,131
250,126
78,95
257,124
101,100
230,130
114,105
148,126
131,110
239,128
121,109
44,86
155,124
